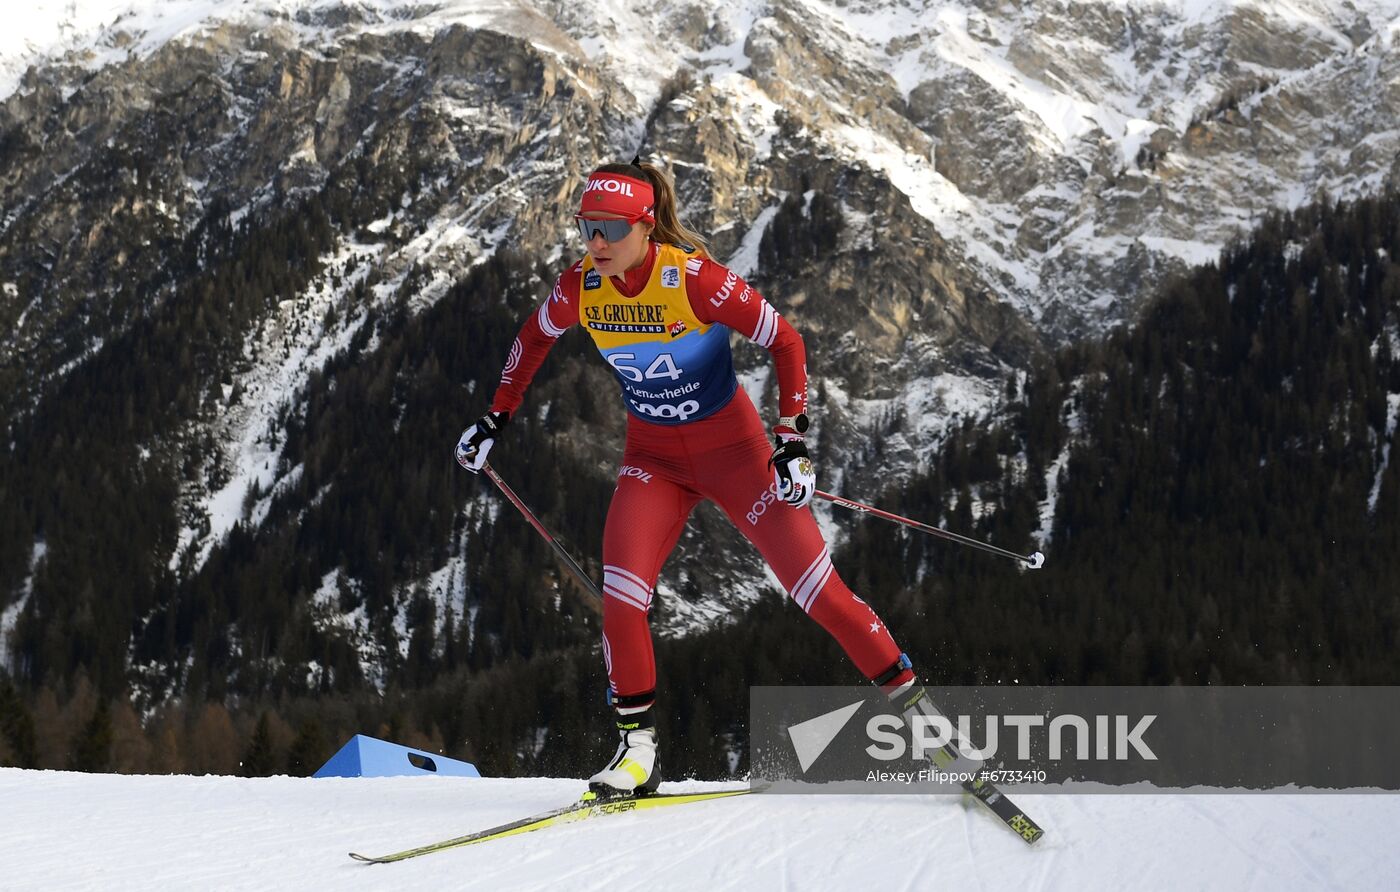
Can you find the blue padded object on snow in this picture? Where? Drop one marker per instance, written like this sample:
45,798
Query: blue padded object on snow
370,757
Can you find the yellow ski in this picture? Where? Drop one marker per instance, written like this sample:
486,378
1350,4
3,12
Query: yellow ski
588,807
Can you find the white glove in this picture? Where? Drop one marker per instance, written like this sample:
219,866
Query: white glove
475,442
793,471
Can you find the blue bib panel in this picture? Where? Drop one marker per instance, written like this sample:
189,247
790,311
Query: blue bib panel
672,367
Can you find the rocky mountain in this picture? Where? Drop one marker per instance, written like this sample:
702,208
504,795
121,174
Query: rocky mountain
206,210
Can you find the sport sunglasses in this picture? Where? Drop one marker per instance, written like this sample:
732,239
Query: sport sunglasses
610,230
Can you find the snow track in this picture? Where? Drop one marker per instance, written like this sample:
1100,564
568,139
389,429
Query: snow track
62,830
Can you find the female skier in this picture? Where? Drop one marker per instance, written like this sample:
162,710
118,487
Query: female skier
661,311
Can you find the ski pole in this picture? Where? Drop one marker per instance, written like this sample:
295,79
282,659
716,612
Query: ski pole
574,569
1034,560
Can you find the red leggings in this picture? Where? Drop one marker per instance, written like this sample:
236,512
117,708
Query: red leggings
666,471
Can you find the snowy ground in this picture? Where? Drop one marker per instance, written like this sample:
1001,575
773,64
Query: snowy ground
61,830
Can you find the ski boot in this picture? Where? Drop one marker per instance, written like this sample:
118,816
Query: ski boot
903,689
633,770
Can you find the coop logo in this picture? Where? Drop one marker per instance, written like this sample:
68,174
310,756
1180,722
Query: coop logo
592,280
765,500
633,471
670,277
616,187
680,411
725,290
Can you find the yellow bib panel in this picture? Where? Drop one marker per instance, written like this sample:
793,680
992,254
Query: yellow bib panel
672,367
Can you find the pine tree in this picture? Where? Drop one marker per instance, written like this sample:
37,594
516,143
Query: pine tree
308,751
91,749
17,728
260,757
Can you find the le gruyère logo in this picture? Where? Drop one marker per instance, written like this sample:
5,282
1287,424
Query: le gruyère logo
628,318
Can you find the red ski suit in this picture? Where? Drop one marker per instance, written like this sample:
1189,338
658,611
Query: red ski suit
692,434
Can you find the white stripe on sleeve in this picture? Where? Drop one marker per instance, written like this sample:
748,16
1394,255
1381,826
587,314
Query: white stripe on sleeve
546,324
767,328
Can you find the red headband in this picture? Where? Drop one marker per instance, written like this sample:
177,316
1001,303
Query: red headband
615,193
